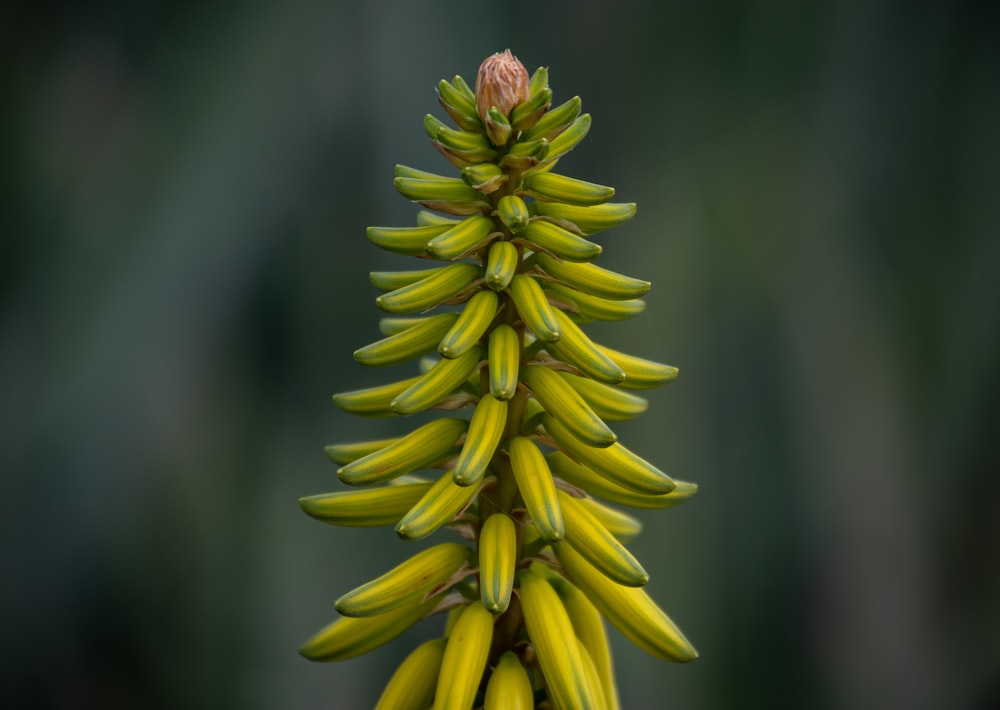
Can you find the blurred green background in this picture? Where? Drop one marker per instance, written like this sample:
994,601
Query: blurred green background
184,279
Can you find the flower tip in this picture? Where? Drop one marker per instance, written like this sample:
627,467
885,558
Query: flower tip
691,654
502,82
308,650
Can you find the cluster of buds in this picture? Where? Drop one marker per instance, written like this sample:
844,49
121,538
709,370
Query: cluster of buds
526,481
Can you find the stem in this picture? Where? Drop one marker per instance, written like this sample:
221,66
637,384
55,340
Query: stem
507,495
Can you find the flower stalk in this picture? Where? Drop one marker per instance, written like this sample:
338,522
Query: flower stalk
526,478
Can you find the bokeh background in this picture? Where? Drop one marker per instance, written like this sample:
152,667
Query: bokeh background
183,278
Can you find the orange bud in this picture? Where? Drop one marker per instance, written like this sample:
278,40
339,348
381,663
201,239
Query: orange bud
502,82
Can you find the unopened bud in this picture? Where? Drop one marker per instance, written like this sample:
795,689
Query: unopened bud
502,82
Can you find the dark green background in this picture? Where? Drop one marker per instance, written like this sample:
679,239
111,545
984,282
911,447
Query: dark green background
183,278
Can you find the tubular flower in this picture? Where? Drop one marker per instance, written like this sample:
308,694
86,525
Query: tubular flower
527,477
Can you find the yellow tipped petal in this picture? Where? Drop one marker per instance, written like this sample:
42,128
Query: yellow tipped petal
442,503
501,265
552,635
537,488
588,536
497,560
421,447
589,628
412,685
534,308
464,659
364,508
485,429
471,325
347,637
504,361
629,609
565,404
410,580
509,687
615,462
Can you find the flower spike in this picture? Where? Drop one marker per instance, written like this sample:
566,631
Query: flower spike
513,451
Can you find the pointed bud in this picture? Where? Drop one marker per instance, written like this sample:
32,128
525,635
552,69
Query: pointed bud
502,82
497,126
